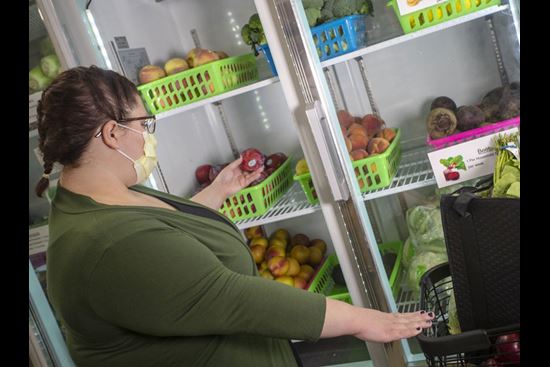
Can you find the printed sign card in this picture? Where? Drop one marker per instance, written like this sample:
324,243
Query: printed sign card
410,6
465,161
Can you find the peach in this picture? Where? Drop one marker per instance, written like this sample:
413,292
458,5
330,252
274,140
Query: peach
274,251
282,234
373,124
150,73
377,145
294,268
266,274
285,280
344,118
306,272
300,239
300,283
199,56
357,129
320,244
300,253
358,141
259,241
278,265
315,256
358,154
253,232
221,54
258,252
175,65
277,242
344,131
387,133
348,144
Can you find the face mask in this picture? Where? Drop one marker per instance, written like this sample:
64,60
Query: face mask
148,161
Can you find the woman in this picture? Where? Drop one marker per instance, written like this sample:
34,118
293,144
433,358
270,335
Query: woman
143,278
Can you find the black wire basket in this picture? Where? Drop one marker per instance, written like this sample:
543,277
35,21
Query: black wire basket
485,348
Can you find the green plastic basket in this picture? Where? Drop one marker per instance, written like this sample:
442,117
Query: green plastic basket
439,13
395,247
256,200
323,283
198,83
374,172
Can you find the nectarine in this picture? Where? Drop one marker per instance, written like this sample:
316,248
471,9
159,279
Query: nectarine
285,280
320,244
300,253
294,267
258,252
150,73
278,265
358,154
358,141
274,251
315,256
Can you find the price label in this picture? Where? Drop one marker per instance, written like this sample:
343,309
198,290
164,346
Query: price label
132,60
410,6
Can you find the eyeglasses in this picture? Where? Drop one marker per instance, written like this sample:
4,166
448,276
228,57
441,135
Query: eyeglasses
149,123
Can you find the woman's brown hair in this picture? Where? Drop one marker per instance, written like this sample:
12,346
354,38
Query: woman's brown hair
73,107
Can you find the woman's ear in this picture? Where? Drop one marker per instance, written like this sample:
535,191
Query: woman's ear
110,134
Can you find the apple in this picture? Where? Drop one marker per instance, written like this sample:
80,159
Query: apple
150,73
357,129
278,265
258,252
285,280
200,56
508,349
275,160
253,159
221,54
214,172
202,173
263,176
491,362
274,251
175,65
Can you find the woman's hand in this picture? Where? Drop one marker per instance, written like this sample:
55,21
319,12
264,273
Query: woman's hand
230,180
372,325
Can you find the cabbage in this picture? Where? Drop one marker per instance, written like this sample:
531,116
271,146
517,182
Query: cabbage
37,80
46,46
421,263
50,66
426,228
454,325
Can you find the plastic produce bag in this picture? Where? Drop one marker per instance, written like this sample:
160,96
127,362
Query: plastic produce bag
422,262
426,228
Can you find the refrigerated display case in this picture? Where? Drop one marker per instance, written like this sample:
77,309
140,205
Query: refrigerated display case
396,76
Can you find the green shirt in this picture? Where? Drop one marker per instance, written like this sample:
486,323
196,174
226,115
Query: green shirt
142,286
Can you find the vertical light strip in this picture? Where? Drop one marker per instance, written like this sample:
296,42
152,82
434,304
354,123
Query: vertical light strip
98,39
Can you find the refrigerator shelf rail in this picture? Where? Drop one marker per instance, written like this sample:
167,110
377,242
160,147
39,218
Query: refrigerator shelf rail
220,97
413,172
407,37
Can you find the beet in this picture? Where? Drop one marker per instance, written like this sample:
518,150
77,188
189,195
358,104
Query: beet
441,122
490,104
509,103
469,117
443,102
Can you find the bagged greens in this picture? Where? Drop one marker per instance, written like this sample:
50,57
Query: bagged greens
426,228
422,262
37,80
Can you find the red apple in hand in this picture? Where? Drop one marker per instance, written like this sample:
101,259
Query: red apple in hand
253,159
214,172
263,176
202,173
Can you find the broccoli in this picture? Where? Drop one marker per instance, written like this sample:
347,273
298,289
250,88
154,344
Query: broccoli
326,11
363,7
344,8
245,34
316,4
312,15
255,23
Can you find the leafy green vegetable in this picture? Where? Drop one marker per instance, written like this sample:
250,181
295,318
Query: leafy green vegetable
421,263
245,34
50,66
37,79
457,162
315,4
313,16
255,23
426,228
506,175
